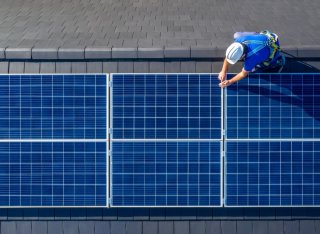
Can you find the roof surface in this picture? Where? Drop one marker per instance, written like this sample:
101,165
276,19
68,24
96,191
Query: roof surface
153,23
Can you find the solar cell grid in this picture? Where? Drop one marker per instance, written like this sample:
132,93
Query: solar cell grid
53,140
52,106
165,106
274,106
53,174
166,132
271,173
166,174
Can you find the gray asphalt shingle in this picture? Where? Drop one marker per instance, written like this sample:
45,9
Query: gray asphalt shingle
55,227
276,227
307,226
141,67
150,227
181,227
8,227
134,227
70,227
17,67
39,227
291,227
244,227
102,227
118,227
172,67
166,227
78,67
125,67
110,67
86,227
63,67
213,227
260,227
156,67
4,67
197,227
228,227
32,67
94,67
47,67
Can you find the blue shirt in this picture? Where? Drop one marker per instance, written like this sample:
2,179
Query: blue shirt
258,57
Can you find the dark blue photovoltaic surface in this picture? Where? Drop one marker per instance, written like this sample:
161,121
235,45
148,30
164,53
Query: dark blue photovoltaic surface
269,173
53,106
166,174
266,106
53,174
172,106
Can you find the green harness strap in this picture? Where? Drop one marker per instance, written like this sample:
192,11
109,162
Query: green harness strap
272,39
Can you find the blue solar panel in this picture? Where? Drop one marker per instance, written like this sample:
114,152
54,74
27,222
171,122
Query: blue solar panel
271,173
166,106
272,106
166,174
53,140
53,174
53,106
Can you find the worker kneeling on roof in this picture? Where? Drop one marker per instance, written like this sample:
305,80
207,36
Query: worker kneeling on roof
260,52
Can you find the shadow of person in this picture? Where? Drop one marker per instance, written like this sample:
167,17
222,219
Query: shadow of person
295,66
291,90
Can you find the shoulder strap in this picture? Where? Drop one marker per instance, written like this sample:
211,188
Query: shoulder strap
258,48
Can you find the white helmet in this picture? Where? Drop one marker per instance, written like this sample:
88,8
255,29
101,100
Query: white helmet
234,52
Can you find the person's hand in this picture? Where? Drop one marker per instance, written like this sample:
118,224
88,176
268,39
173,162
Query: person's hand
224,83
222,76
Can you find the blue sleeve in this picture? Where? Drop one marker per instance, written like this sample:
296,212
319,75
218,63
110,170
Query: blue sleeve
249,64
254,60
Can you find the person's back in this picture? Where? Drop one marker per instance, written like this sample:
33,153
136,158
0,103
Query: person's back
259,51
252,43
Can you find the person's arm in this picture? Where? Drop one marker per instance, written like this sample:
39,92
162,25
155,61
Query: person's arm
234,79
223,74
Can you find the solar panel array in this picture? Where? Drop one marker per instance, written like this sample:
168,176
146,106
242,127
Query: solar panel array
272,141
53,140
166,133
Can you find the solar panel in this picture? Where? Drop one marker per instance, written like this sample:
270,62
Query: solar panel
166,174
53,140
166,106
166,133
53,174
272,141
53,106
274,106
272,173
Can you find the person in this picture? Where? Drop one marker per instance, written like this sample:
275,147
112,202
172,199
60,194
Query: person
259,51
